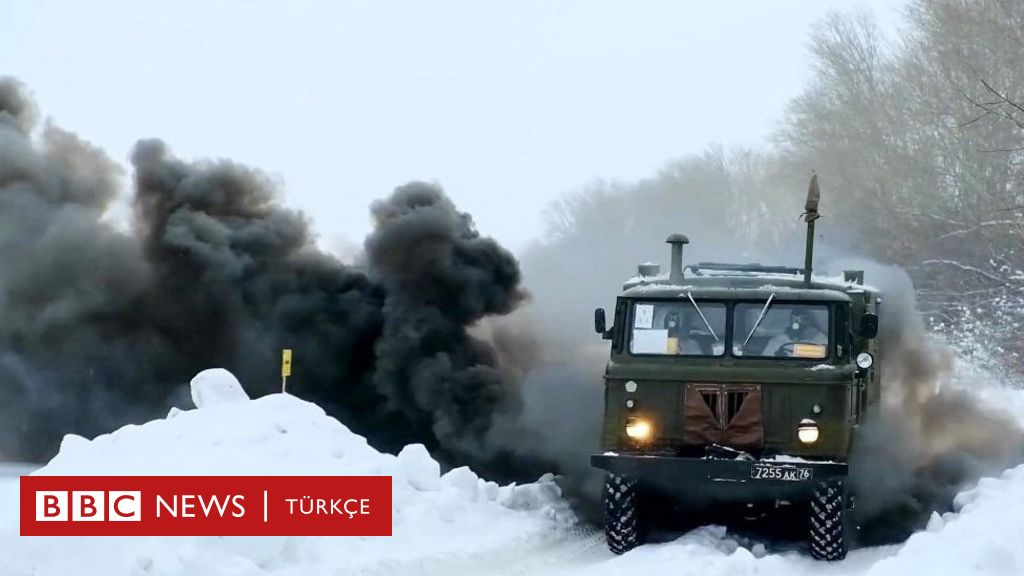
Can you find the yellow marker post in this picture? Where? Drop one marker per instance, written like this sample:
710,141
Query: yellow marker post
286,367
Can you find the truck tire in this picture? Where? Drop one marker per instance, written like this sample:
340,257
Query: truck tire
829,525
622,526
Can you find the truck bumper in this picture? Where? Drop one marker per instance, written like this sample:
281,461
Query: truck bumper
719,478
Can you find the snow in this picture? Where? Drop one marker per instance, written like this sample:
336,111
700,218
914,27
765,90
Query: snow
454,523
787,459
661,276
434,515
982,537
818,367
422,471
216,386
648,287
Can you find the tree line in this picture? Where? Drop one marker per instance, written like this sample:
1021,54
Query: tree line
919,143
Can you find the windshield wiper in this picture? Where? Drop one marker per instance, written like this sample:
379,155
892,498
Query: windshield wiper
759,318
706,323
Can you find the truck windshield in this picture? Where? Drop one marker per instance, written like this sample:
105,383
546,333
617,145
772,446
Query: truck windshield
787,330
678,328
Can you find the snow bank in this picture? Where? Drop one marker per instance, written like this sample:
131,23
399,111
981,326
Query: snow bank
216,386
434,514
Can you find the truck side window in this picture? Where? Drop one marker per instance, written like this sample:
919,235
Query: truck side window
621,307
842,332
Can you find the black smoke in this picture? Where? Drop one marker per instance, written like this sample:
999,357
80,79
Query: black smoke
101,325
440,276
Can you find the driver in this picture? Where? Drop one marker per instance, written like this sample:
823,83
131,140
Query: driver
802,329
679,340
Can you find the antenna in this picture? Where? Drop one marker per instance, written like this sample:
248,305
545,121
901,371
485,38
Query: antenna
810,215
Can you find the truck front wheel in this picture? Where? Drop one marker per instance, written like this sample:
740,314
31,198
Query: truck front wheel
622,525
829,532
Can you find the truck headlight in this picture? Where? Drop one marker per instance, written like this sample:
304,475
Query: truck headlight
638,429
807,431
865,360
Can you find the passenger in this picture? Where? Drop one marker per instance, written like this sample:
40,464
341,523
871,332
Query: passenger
802,329
679,340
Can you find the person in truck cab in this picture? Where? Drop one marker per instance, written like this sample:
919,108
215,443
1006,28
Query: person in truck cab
802,329
679,339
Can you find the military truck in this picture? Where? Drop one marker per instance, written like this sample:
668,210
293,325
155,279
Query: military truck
737,387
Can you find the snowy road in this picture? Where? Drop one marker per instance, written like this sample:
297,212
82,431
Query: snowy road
566,552
980,541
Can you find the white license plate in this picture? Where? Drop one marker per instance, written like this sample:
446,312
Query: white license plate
775,472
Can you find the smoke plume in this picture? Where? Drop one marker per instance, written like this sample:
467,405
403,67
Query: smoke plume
932,435
439,276
99,327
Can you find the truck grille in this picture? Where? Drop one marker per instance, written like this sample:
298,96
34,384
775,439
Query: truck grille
723,404
729,415
733,401
710,398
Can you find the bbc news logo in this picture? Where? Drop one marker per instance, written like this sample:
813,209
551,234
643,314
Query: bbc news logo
88,506
206,505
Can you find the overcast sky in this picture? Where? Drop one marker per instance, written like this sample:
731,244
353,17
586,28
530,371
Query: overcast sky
507,105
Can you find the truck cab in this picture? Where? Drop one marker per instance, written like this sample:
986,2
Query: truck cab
736,383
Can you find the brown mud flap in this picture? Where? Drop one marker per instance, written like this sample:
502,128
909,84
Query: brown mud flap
728,415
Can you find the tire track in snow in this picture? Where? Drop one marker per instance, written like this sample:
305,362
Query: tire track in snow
542,554
583,543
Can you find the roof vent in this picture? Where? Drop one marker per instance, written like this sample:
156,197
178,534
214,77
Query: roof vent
675,273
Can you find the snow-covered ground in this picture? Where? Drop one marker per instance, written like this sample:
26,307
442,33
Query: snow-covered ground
451,524
452,516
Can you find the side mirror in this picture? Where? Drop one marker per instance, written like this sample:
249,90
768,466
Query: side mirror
599,321
868,326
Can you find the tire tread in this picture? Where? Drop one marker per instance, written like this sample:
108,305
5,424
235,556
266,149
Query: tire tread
828,536
621,514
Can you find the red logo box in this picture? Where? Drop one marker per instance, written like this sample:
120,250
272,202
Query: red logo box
206,506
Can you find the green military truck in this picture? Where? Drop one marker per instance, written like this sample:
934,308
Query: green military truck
737,384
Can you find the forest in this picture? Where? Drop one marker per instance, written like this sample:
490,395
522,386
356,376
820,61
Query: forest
918,139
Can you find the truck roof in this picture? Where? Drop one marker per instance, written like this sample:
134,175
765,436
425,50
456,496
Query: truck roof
742,281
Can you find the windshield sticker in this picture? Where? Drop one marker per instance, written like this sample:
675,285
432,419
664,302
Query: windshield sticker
650,341
643,316
809,351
